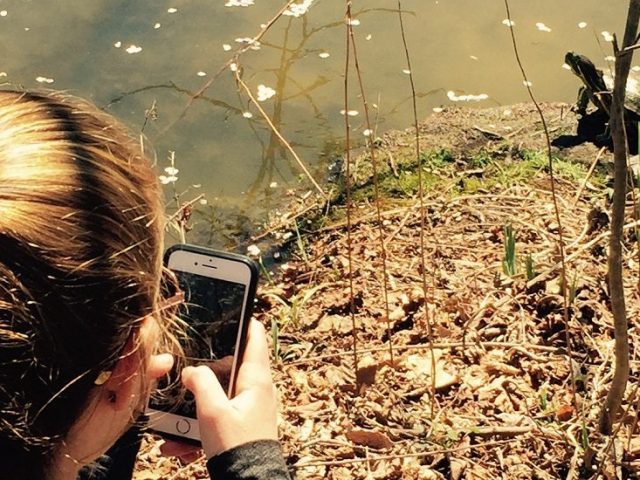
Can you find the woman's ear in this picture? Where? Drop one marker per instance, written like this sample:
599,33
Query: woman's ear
124,383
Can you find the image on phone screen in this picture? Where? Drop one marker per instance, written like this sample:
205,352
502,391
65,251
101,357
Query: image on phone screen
213,311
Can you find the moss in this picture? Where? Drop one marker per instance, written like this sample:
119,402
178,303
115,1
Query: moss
482,171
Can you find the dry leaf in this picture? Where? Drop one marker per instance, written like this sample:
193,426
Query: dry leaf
368,438
367,369
634,447
564,413
419,366
457,468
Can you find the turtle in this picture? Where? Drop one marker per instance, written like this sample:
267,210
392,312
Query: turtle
598,86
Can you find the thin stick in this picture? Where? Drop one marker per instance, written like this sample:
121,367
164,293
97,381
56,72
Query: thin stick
347,127
575,254
406,455
183,207
589,173
555,207
376,189
427,312
441,346
616,285
277,133
617,430
234,59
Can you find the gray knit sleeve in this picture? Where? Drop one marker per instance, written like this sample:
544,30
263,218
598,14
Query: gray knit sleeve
260,460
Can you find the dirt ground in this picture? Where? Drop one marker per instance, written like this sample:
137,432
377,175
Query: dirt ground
407,347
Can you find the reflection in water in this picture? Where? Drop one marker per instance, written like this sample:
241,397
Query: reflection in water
128,55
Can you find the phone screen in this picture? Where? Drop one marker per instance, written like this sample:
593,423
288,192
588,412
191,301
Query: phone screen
213,312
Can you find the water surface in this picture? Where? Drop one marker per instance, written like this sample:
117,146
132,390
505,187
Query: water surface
130,55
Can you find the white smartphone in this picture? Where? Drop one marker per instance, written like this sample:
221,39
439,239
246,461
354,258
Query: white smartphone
219,290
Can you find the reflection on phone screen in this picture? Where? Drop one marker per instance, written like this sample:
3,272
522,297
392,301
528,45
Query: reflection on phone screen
213,313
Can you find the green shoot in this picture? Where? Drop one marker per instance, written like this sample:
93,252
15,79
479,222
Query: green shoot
509,260
264,270
530,267
544,399
573,288
584,437
300,244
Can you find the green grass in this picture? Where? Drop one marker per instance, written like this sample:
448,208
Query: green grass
443,171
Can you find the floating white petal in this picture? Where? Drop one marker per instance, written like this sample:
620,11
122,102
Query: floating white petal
367,132
255,45
353,22
508,23
203,201
234,67
542,27
44,80
202,74
165,180
607,36
473,57
273,185
582,25
265,93
351,113
172,171
117,44
253,250
157,26
527,83
247,114
406,71
466,98
438,109
298,9
3,13
238,3
226,47
172,10
324,55
131,49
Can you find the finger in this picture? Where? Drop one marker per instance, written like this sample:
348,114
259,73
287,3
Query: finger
159,365
206,388
254,370
256,350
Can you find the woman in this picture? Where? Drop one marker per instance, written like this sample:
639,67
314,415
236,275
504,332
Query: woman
84,330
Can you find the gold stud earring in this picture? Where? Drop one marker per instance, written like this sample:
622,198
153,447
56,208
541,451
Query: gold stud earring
103,377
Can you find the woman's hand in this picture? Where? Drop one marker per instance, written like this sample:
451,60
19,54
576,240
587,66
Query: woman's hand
250,415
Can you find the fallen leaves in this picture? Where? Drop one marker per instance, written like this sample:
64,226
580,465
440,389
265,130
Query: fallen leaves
503,405
371,439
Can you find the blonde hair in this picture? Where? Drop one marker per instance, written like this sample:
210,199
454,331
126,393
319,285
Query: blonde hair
81,229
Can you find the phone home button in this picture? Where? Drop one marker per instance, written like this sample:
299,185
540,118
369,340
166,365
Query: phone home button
183,426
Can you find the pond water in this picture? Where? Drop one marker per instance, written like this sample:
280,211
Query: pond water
131,55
